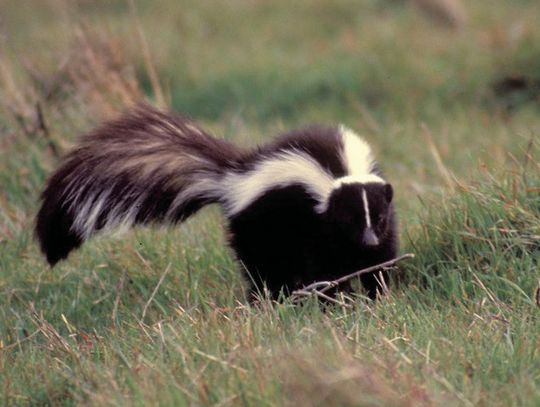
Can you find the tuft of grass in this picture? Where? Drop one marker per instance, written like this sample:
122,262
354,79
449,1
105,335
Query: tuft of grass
486,235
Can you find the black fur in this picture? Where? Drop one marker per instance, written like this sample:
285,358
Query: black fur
284,244
134,169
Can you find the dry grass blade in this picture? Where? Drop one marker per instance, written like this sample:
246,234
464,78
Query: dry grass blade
19,341
155,291
54,339
309,293
119,289
445,172
148,60
99,72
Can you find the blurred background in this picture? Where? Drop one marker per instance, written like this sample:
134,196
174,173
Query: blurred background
464,74
435,85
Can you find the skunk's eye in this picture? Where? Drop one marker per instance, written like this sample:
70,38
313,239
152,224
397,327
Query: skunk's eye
381,218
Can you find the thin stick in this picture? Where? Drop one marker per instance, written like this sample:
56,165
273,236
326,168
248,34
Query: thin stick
318,284
327,285
42,125
358,273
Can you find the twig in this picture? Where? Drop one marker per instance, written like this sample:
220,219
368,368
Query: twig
42,125
317,284
312,289
40,121
376,267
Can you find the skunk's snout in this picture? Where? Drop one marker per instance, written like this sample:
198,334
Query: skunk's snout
370,238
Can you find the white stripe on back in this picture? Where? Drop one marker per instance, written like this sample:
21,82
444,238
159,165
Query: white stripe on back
294,167
281,170
358,179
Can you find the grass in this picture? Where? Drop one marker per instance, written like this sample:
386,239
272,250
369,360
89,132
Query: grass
159,316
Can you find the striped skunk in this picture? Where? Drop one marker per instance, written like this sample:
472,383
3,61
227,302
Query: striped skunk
311,205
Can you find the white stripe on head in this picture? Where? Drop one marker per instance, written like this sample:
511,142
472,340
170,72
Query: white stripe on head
356,155
358,162
366,208
281,170
357,179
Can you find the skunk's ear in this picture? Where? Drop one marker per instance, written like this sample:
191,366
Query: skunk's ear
388,192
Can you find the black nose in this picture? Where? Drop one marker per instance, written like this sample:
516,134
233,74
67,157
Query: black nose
370,238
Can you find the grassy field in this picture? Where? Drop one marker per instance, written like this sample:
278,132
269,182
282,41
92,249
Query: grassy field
159,316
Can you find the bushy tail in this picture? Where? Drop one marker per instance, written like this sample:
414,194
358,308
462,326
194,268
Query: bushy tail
148,166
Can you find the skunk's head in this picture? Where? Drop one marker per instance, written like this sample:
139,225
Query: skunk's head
361,211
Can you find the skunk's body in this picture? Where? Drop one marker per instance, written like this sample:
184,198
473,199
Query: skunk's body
310,206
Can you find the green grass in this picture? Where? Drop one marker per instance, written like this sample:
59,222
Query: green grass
159,316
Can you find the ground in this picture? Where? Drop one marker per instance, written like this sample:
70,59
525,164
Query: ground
159,316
